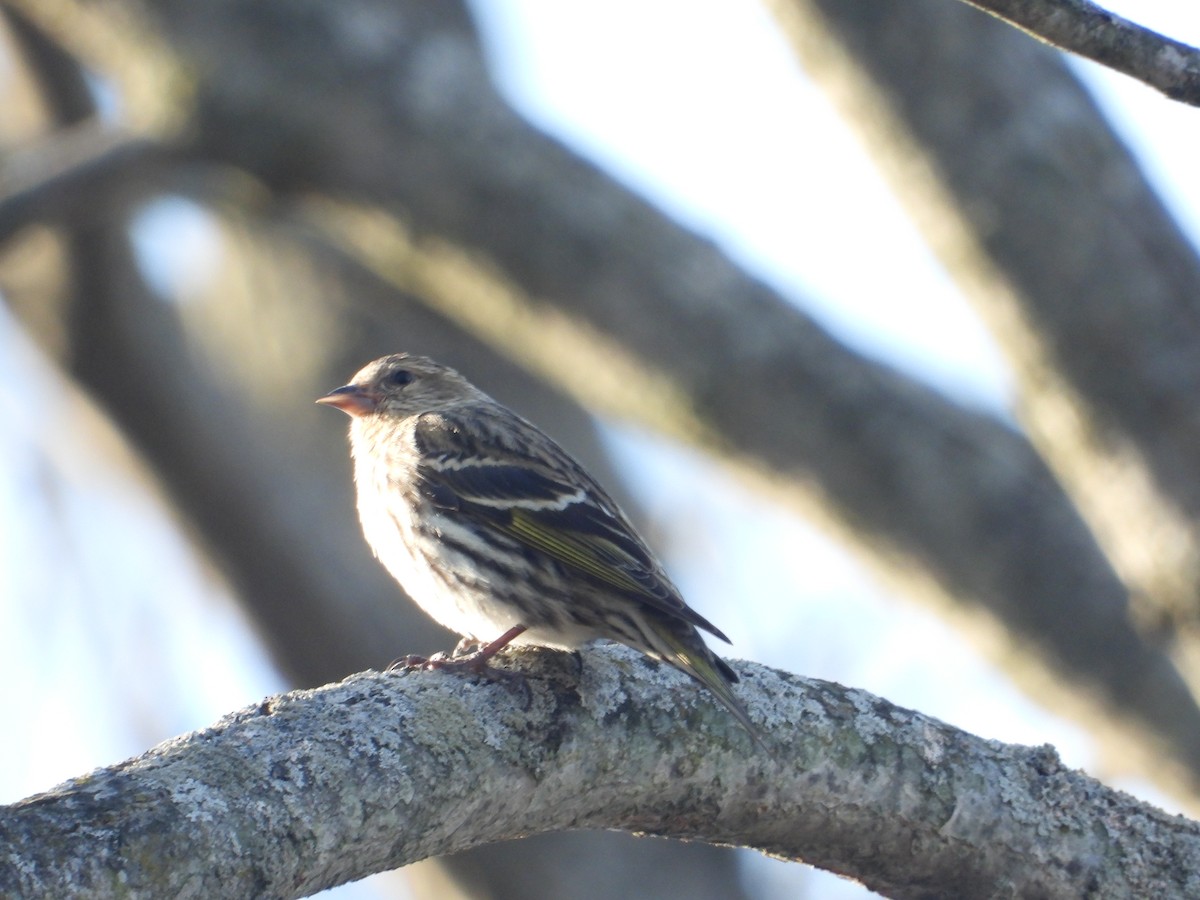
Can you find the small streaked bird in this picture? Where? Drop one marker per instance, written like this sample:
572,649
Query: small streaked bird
499,534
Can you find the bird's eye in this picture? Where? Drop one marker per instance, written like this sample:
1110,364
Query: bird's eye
400,377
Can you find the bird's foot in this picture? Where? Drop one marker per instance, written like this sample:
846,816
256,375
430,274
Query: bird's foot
472,664
412,661
474,661
467,646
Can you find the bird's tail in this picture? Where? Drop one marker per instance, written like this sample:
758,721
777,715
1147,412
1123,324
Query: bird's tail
689,654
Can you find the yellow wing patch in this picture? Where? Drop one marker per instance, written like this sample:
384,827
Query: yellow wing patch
586,554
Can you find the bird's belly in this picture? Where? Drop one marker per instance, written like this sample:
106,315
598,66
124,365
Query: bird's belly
469,604
449,585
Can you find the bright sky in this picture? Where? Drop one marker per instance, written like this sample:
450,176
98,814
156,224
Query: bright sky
745,151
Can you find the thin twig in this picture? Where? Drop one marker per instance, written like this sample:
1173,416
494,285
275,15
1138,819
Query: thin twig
1087,30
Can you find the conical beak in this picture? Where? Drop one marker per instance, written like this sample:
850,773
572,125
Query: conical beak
352,399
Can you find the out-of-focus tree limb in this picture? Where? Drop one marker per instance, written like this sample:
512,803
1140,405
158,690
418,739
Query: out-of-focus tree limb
656,323
1039,211
270,801
1096,34
41,181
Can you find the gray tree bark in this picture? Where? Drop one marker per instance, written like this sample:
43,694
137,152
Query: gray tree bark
271,801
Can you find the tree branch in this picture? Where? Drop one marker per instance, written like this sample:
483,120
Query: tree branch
43,181
312,789
1087,30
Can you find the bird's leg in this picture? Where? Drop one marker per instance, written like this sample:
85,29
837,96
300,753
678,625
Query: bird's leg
489,650
476,662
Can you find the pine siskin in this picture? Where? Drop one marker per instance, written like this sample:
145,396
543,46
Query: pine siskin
494,529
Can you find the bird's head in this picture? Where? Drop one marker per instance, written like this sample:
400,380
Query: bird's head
401,385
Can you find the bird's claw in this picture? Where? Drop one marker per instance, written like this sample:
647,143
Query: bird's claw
407,663
426,663
475,663
466,647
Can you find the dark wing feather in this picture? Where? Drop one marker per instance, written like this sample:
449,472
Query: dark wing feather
546,502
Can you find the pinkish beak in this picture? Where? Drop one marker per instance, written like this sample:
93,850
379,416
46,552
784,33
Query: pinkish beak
352,399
